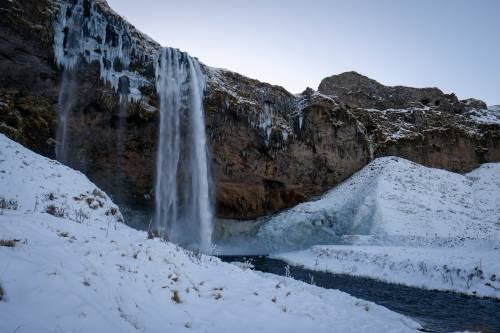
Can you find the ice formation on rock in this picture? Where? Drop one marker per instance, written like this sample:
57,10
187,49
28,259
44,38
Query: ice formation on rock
83,30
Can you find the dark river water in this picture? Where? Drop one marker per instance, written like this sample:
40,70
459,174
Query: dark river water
436,311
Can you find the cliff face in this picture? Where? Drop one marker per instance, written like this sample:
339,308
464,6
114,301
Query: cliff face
270,149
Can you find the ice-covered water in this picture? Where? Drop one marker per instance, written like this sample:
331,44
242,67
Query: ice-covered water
183,205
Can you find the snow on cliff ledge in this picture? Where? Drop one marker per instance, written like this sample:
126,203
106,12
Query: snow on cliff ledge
64,276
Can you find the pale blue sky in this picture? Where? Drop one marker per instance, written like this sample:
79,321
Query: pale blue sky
451,44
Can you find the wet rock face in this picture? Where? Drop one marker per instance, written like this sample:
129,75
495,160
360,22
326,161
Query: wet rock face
112,142
269,149
28,76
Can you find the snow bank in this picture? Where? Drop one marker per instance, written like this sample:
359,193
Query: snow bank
33,183
94,277
398,202
459,269
404,223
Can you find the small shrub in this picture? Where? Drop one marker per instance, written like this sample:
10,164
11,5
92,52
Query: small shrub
8,204
136,254
152,234
2,292
55,211
112,211
63,234
98,193
51,196
8,242
175,297
81,216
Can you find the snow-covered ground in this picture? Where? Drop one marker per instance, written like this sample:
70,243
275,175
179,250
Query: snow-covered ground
405,223
460,269
39,184
68,273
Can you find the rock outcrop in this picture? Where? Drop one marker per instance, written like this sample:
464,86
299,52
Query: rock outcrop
270,149
357,90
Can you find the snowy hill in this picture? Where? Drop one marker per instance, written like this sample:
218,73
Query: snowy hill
37,184
402,223
61,273
395,201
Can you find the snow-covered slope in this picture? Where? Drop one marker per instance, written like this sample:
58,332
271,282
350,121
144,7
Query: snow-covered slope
38,184
64,276
395,201
403,223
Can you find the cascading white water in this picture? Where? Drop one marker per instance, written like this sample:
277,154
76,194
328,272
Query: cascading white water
65,103
183,204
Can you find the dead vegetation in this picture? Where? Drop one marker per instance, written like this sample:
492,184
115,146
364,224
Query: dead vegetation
55,211
63,234
8,242
175,297
8,204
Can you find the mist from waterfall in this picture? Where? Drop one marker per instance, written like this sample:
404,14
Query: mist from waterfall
65,103
183,205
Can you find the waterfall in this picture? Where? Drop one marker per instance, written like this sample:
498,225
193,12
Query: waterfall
183,205
370,147
65,103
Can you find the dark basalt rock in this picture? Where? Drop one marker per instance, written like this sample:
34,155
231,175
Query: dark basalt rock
269,149
357,90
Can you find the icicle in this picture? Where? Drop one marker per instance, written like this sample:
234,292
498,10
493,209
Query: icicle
84,32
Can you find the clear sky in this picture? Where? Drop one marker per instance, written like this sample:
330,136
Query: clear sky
451,44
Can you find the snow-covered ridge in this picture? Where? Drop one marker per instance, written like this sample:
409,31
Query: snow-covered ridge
396,201
34,183
93,277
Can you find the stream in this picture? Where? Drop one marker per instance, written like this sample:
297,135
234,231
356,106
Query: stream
436,311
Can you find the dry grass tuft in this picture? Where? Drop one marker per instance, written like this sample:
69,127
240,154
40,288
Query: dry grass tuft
63,234
175,297
8,242
55,211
